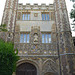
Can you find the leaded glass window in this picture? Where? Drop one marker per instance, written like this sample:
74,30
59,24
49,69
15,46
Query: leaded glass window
21,38
23,17
46,38
27,38
49,38
26,16
42,16
24,38
42,38
45,16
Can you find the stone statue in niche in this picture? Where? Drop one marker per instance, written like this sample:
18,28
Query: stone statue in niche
35,38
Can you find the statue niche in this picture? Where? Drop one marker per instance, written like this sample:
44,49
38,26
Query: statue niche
35,38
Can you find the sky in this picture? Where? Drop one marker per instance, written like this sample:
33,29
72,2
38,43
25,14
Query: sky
68,3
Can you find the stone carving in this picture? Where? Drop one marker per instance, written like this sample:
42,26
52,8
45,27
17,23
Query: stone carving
49,66
35,38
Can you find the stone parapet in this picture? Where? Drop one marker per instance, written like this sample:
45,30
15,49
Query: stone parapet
35,6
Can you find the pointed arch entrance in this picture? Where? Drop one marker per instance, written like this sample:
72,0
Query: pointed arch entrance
49,73
26,69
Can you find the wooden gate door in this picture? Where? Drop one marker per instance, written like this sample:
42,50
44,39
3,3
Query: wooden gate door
26,69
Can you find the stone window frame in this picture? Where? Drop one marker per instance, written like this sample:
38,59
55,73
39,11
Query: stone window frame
25,16
45,16
52,15
19,16
23,39
46,33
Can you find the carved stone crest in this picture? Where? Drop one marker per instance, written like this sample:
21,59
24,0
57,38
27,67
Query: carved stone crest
35,38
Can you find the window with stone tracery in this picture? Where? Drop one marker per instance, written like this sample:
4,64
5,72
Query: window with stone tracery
46,38
24,38
26,16
45,16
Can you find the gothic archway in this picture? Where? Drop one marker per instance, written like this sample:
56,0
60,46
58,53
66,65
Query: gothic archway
26,69
49,73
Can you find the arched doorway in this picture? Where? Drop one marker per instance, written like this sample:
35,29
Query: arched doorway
26,69
49,73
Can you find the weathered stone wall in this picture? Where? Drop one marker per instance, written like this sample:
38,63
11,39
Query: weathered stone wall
9,17
64,39
7,36
59,55
42,49
3,35
25,26
43,64
42,53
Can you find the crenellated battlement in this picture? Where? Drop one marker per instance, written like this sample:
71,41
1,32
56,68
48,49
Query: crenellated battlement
35,6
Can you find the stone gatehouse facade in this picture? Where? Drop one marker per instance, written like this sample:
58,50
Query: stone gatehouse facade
42,35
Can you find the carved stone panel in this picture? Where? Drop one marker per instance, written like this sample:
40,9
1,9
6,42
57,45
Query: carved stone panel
50,66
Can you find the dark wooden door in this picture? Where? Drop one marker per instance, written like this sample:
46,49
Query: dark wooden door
26,69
